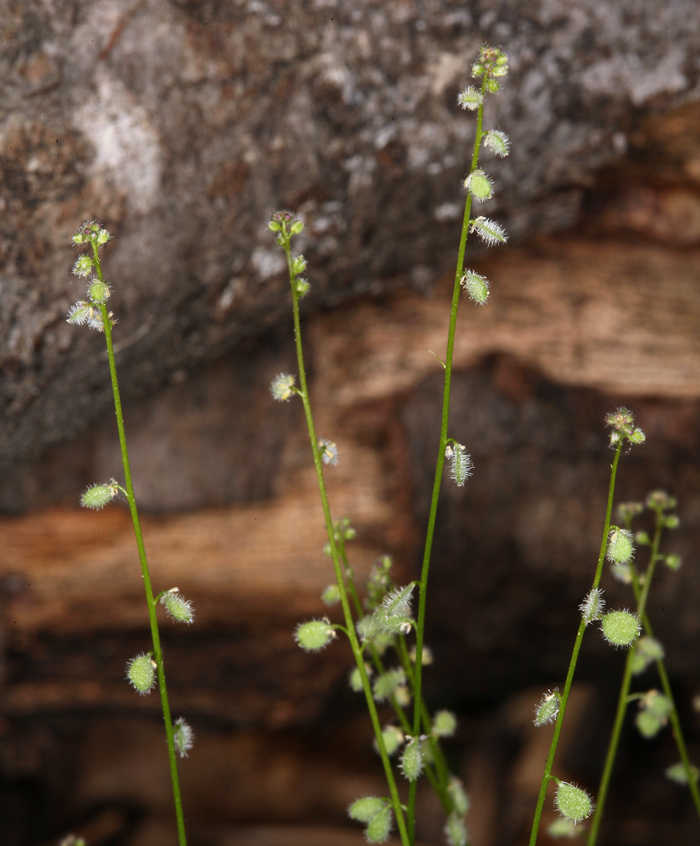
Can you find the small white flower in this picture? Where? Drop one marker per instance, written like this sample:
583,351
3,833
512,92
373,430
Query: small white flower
328,451
282,386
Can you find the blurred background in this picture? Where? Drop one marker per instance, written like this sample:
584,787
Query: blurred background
181,126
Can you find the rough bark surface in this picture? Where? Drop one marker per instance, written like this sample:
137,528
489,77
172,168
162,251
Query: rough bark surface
183,125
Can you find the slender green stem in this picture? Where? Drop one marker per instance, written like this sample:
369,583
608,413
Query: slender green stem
623,699
150,601
673,716
337,564
547,775
437,780
423,590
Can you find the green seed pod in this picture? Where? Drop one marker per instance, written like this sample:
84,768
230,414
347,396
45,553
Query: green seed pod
444,724
648,723
331,595
548,709
460,800
83,265
489,231
183,737
673,562
592,606
314,635
98,292
497,141
303,286
178,608
97,496
562,828
456,831
364,809
379,827
479,186
298,265
356,680
412,759
572,802
470,98
677,773
387,683
620,548
647,651
636,437
657,704
393,737
461,465
620,628
476,287
141,672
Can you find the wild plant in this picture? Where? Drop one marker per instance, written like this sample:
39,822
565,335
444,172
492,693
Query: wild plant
621,629
656,709
379,626
382,623
146,670
377,618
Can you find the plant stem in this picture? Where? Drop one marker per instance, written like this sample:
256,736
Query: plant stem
547,775
623,698
337,565
673,716
150,601
423,589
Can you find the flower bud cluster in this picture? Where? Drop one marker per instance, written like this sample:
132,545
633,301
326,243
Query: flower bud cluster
622,424
89,312
286,226
379,582
91,232
491,64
